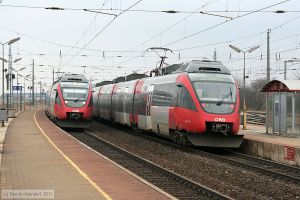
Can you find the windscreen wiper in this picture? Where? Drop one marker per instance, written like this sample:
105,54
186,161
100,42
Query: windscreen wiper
221,100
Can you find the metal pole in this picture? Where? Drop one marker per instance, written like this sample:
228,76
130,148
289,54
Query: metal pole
21,99
33,83
267,114
3,75
244,95
10,75
24,94
285,63
40,92
7,88
268,55
244,71
52,75
30,95
17,90
293,113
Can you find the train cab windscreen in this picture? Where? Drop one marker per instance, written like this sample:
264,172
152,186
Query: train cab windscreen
216,93
75,94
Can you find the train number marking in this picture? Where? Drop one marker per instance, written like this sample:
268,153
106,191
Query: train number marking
218,119
75,110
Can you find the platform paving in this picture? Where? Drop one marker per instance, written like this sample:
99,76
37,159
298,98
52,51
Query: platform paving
29,162
116,181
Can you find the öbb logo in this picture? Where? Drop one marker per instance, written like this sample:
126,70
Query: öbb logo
218,119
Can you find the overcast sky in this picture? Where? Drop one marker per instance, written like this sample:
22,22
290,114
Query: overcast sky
114,43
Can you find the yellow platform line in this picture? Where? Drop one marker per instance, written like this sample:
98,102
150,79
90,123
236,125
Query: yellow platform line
84,175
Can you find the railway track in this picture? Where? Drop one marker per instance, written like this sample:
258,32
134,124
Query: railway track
258,165
164,179
267,167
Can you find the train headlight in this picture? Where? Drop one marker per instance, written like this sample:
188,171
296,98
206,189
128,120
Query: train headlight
83,102
66,101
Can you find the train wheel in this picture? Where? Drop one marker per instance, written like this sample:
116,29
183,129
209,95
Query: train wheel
181,138
175,136
135,128
184,141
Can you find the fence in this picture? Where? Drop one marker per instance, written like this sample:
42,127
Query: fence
256,117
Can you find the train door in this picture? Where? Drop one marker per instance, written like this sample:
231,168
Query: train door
125,115
52,100
133,113
148,108
98,103
279,113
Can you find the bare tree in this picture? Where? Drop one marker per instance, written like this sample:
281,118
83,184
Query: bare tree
255,99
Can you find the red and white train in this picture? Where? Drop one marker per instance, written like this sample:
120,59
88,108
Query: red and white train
197,104
70,102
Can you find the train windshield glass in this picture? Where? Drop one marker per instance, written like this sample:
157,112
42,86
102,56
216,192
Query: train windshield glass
75,91
216,92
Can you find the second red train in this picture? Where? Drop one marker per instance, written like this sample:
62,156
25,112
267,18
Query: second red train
198,104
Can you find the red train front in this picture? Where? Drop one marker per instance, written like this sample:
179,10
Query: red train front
197,104
70,102
212,106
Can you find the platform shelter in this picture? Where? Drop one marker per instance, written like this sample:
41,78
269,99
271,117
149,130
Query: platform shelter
283,107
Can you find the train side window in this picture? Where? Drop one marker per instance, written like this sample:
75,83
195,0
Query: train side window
57,99
184,99
163,95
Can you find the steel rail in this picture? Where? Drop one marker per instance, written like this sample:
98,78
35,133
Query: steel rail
256,164
170,182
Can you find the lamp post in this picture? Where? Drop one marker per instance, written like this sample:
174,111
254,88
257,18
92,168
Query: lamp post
3,60
289,61
10,75
25,78
244,79
18,82
244,52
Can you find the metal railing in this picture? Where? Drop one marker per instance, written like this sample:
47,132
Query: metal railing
256,117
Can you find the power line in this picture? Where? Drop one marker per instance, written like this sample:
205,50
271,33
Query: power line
165,30
89,26
209,28
145,10
173,25
219,24
103,29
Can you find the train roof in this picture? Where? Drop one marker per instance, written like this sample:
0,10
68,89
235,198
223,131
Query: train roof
129,77
72,78
204,66
103,83
194,66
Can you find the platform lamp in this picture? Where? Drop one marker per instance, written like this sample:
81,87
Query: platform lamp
3,60
18,82
25,78
11,76
244,78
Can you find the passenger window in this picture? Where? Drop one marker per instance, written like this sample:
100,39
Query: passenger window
164,95
184,99
57,99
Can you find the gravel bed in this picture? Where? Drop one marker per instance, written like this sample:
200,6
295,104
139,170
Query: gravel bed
228,179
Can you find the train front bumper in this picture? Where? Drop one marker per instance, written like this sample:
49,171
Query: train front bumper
215,140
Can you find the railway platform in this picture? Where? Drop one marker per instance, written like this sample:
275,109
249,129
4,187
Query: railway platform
40,159
270,146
